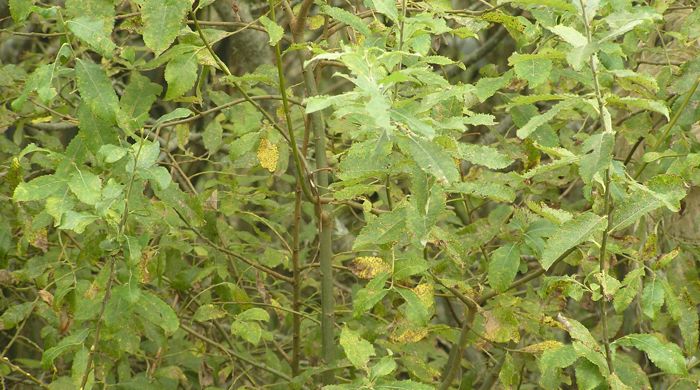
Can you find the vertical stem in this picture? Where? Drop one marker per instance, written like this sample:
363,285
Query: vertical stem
607,209
324,211
607,205
325,219
296,293
453,362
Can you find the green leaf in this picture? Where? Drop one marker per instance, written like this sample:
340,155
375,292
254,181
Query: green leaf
175,114
181,74
162,20
652,298
67,344
320,102
96,32
137,99
384,367
503,266
40,188
487,86
629,289
600,151
415,311
357,349
577,331
208,312
274,31
552,361
571,234
20,9
660,191
96,90
146,153
487,190
158,175
366,298
689,324
111,153
535,122
569,35
415,124
77,221
346,17
629,372
536,70
212,136
487,156
665,355
431,158
387,7
386,228
15,314
157,312
254,314
639,103
249,331
95,131
86,186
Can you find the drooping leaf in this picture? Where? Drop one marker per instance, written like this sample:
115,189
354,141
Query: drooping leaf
274,31
66,345
40,188
157,312
15,314
487,156
357,349
665,355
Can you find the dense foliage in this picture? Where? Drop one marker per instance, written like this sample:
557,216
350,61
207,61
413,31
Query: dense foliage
378,194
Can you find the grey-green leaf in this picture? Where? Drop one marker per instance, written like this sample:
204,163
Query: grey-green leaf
357,349
665,355
487,156
181,74
503,266
431,158
86,186
96,90
162,20
274,31
570,234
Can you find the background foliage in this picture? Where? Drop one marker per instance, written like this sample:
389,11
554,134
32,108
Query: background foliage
377,194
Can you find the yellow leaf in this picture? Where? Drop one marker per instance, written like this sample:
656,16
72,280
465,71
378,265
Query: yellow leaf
409,335
314,22
44,119
367,267
541,347
268,155
426,294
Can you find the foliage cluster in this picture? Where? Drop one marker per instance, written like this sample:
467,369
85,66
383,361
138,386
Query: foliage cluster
381,194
